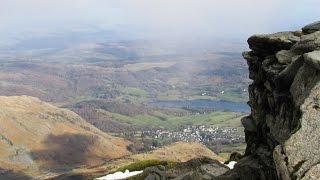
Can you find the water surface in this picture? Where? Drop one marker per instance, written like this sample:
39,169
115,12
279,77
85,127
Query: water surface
204,103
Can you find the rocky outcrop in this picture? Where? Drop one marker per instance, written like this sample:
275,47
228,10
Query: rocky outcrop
283,130
198,168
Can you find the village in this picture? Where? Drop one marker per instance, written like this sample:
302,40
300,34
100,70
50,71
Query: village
202,134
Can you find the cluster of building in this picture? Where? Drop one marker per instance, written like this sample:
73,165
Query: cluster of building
202,134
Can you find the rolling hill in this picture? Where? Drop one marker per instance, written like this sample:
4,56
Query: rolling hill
37,138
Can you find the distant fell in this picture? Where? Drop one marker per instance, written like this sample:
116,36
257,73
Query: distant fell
37,138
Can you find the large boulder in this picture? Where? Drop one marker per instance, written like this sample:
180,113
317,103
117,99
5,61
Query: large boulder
308,43
272,43
311,28
313,59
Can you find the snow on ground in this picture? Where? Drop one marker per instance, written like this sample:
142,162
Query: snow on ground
119,175
127,173
231,164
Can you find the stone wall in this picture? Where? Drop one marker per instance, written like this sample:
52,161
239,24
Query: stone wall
283,130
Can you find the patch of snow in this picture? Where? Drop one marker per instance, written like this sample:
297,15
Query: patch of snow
231,164
119,175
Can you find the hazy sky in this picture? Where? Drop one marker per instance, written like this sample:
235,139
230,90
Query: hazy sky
175,17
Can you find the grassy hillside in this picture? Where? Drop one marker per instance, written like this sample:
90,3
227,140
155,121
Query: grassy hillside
177,152
37,138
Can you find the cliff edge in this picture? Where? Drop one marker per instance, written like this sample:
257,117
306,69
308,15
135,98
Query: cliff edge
283,129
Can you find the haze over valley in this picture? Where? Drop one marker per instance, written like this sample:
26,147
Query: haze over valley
125,86
93,87
150,94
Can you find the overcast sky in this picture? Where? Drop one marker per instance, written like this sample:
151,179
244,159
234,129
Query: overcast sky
175,17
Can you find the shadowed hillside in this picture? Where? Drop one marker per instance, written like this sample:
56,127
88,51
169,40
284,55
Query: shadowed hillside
9,174
67,150
37,138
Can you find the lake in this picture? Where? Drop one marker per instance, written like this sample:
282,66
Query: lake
204,103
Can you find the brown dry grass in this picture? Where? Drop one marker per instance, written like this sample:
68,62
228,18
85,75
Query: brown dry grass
36,136
178,152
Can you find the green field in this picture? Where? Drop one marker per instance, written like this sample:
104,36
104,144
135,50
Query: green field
161,120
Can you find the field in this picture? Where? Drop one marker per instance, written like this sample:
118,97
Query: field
161,120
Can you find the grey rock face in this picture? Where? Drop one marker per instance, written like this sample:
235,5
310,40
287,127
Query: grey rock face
155,173
249,124
285,56
313,59
272,43
209,171
283,130
303,147
308,43
249,167
313,173
311,28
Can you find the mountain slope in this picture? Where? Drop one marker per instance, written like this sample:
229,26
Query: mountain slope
179,152
38,138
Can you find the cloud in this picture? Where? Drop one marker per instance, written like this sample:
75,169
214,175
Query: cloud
206,17
165,17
